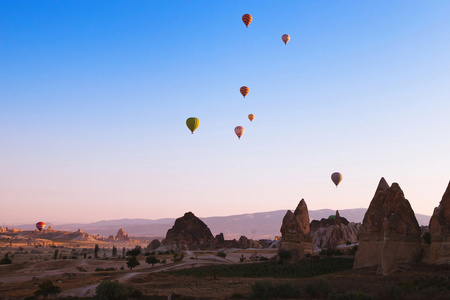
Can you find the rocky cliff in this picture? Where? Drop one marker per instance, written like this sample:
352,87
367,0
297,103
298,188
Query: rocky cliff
189,233
295,233
439,229
389,235
330,233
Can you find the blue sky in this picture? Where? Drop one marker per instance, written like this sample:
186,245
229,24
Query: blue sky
94,96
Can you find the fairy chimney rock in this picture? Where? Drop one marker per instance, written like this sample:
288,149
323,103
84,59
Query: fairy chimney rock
390,234
295,233
121,236
440,231
337,219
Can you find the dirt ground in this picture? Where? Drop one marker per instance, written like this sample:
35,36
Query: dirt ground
78,278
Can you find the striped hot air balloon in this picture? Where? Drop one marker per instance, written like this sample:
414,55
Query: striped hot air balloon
192,124
285,38
239,130
247,19
244,91
40,225
251,117
336,177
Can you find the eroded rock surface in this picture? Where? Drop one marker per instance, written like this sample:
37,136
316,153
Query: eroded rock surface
189,233
334,232
439,229
295,233
390,234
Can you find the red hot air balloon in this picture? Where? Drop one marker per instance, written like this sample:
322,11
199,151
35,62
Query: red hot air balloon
239,130
244,91
40,225
336,177
285,38
247,19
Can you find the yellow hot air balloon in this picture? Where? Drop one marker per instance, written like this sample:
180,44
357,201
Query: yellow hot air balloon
336,177
251,117
244,91
192,124
285,38
247,19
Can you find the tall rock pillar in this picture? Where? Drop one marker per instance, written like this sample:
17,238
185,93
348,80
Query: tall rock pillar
295,233
440,231
390,233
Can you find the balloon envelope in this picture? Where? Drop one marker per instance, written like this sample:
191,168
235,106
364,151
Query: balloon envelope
192,124
251,117
285,38
244,91
247,19
239,130
40,225
336,177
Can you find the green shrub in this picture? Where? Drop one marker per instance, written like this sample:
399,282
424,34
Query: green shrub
348,296
47,288
221,254
393,291
318,289
427,238
353,250
266,290
112,290
6,260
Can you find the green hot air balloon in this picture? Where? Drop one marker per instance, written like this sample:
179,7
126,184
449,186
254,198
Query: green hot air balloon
192,124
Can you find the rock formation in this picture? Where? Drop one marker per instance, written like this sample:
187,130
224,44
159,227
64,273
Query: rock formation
153,245
439,229
189,233
329,236
389,235
121,236
295,233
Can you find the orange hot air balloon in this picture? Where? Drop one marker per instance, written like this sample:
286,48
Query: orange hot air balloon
336,177
285,38
239,130
251,117
244,91
247,19
40,225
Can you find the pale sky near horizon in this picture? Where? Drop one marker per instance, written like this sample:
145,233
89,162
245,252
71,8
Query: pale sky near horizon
94,96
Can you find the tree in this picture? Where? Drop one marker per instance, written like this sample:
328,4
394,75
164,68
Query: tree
132,262
96,251
112,290
151,259
123,252
135,252
55,254
47,288
114,251
6,260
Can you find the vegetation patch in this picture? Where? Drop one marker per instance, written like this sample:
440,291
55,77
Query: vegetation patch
303,269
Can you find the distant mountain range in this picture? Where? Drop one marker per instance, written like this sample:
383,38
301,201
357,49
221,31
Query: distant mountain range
263,225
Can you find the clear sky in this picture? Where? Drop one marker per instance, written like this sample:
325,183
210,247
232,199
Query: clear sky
94,96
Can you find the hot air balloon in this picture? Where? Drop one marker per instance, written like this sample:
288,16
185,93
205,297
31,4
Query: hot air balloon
336,177
192,124
239,130
247,19
40,225
244,91
285,38
251,117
